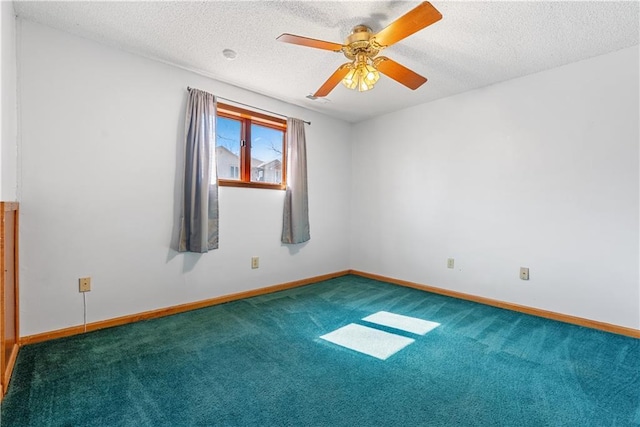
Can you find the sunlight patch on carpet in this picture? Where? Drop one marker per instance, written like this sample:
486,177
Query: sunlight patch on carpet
373,342
404,323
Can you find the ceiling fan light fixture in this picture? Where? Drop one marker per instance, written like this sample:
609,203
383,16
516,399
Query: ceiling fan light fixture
350,79
362,75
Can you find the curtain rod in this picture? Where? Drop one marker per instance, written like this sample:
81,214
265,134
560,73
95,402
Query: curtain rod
251,106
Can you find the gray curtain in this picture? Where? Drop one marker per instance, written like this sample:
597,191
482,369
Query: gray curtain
199,218
295,224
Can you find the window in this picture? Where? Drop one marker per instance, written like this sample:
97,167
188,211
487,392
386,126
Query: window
250,148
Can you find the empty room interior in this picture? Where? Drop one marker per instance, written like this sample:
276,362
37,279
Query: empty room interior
320,213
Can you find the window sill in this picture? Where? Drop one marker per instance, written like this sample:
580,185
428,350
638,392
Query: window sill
234,183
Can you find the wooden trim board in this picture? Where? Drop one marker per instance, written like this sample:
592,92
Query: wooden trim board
9,291
94,326
11,363
593,324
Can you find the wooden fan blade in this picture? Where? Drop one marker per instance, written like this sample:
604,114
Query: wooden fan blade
305,41
399,73
414,20
333,81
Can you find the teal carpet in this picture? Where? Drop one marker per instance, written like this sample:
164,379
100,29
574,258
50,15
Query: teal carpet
260,362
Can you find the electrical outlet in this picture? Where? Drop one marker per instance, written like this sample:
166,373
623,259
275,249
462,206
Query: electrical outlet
450,262
255,262
524,273
84,284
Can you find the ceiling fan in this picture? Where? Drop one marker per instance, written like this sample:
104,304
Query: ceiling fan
362,48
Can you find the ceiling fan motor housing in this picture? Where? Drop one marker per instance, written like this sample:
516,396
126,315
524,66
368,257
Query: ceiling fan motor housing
360,42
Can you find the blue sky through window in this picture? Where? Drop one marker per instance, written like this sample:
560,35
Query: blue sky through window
266,142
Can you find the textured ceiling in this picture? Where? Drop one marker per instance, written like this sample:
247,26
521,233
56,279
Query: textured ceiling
475,44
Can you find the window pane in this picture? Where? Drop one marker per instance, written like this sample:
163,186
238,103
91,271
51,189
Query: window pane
266,154
228,148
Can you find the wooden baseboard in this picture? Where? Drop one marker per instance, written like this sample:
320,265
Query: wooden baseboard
621,330
94,326
75,330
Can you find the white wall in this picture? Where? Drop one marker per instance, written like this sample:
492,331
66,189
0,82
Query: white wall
8,103
101,130
541,172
